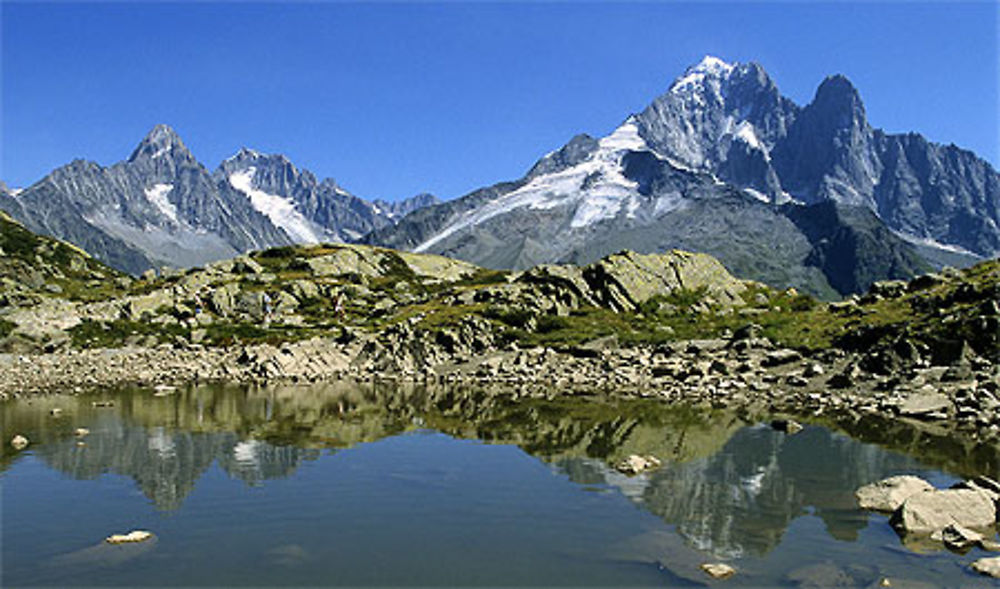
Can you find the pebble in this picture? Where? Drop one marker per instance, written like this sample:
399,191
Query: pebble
133,536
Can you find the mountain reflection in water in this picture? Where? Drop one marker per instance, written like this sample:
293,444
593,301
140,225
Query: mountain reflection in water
729,487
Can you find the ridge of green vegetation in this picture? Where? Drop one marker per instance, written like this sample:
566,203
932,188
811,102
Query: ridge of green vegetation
296,292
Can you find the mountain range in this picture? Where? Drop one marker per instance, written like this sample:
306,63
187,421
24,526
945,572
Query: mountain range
811,196
161,207
806,196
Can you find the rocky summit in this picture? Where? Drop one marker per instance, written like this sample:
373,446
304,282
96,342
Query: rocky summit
806,196
162,207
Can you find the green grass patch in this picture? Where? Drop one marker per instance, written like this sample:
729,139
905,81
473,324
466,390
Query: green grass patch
112,334
227,334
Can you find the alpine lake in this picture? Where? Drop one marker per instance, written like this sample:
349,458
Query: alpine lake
385,485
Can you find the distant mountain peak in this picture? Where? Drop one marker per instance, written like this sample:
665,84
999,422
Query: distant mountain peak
710,67
161,141
837,88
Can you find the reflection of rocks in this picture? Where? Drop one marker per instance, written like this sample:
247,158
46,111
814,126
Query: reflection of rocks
740,499
728,489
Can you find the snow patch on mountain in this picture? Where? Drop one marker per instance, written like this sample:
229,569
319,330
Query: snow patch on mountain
745,132
157,194
932,243
596,187
280,210
709,67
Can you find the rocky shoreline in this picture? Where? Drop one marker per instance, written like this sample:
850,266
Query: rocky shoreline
676,327
742,371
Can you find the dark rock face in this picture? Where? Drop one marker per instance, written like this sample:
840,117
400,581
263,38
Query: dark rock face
162,207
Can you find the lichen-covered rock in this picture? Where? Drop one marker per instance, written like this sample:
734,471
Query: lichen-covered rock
439,267
347,260
568,278
888,494
625,280
134,307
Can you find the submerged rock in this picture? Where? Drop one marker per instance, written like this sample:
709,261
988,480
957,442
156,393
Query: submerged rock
718,570
888,494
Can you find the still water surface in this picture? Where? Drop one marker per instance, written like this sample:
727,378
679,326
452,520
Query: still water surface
338,485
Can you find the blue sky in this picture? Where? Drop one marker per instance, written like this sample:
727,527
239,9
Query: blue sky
396,99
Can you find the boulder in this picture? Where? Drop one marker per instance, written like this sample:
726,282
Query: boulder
223,299
133,536
788,426
439,267
19,442
925,405
958,537
625,280
988,566
635,464
983,484
780,357
347,260
135,307
718,570
567,279
888,494
925,513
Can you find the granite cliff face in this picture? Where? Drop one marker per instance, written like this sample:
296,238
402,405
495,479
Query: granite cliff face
162,207
723,163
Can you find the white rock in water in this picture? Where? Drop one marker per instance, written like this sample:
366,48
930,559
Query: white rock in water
81,431
718,570
19,442
926,513
635,464
888,494
988,566
133,536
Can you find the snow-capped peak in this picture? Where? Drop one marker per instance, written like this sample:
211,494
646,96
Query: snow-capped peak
708,67
595,189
